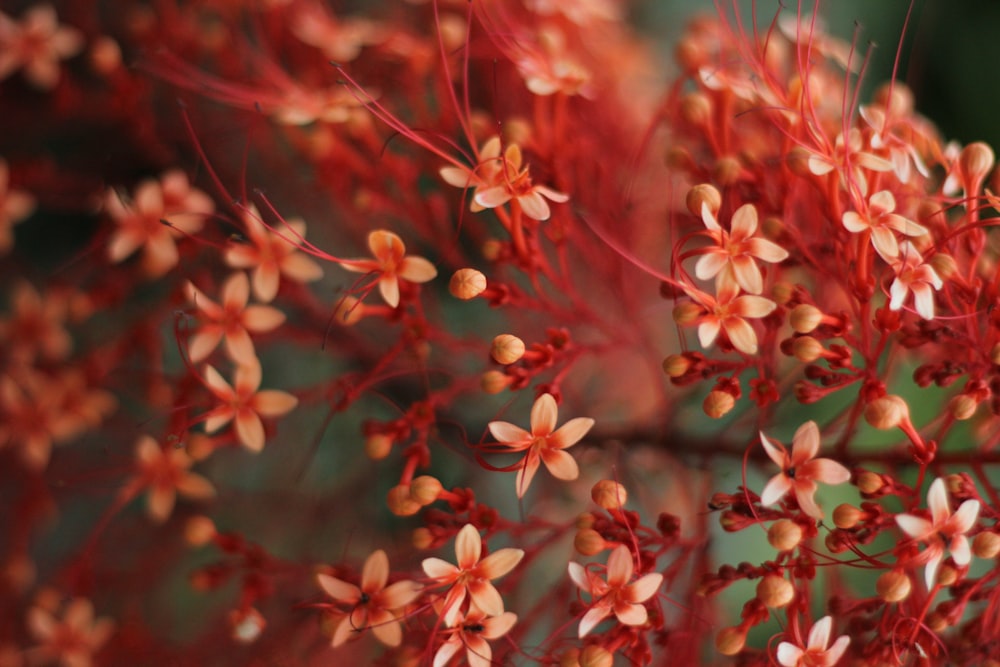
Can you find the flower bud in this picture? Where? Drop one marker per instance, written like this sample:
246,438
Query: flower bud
399,501
676,365
378,446
846,516
995,354
703,194
896,97
727,170
585,520
425,489
609,494
962,406
775,591
870,482
199,530
467,284
507,349
986,545
730,641
976,160
718,403
696,108
835,542
493,382
944,265
784,534
687,312
947,575
807,349
422,538
492,249
893,586
596,656
349,311
805,317
589,542
887,412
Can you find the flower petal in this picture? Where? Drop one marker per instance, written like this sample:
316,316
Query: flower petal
570,433
591,619
509,434
417,270
775,489
468,547
819,634
544,414
375,572
500,562
339,590
560,463
805,443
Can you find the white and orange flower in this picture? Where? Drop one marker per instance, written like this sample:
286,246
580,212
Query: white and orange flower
800,470
815,653
731,260
617,594
391,264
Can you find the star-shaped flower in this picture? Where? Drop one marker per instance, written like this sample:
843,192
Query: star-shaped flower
244,405
616,594
800,470
390,264
944,530
883,223
165,473
544,443
815,653
731,259
914,275
472,633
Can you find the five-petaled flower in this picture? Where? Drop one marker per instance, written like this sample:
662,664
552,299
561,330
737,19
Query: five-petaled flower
944,530
729,313
72,637
815,653
883,223
731,259
373,604
472,631
244,405
472,576
914,275
36,45
544,443
390,264
615,595
165,472
800,470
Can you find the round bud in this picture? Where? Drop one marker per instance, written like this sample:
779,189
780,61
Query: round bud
775,591
507,349
962,406
696,108
585,520
246,625
772,226
807,349
589,542
893,586
199,530
887,412
349,311
835,543
399,501
976,160
422,538
986,545
105,56
467,284
378,446
493,382
870,482
687,312
596,656
676,365
679,158
425,489
936,621
492,250
805,317
846,516
690,54
718,403
609,494
784,534
782,292
896,97
727,170
947,575
730,641
703,194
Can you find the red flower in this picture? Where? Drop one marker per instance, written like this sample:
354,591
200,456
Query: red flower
800,470
391,264
615,595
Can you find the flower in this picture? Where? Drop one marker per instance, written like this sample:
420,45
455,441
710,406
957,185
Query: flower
231,321
245,405
72,639
880,220
36,45
391,264
165,472
472,632
730,260
471,576
544,443
944,530
913,275
800,471
616,594
271,255
373,603
728,313
815,653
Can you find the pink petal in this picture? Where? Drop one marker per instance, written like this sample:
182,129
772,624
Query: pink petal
819,634
708,331
766,250
552,195
236,291
266,279
439,569
508,433
525,474
836,652
500,562
775,489
498,626
560,463
930,572
300,268
250,430
400,594
591,619
885,243
923,300
708,218
853,222
492,197
631,614
620,566
805,495
468,547
579,576
272,403
486,597
388,287
882,202
239,347
386,628
645,587
741,334
534,206
195,486
914,526
753,306
743,224
747,274
965,517
937,501
339,590
260,319
959,548
458,177
217,385
446,652
160,502
386,245
789,654
417,270
775,452
570,433
827,471
709,265
375,573
544,414
897,294
805,443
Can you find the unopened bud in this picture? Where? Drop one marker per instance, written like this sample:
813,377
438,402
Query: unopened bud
246,625
467,284
378,446
846,516
976,160
703,195
784,534
609,494
199,530
676,365
807,349
585,520
782,292
870,482
491,250
696,108
944,265
805,317
962,406
887,412
775,591
507,349
730,641
896,97
727,170
835,542
493,382
986,545
893,586
947,575
422,538
105,55
588,542
349,311
596,656
687,312
399,501
718,403
936,621
425,489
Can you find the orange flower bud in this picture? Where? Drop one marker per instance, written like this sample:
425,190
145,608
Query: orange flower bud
609,494
585,520
995,354
696,108
782,292
718,403
944,265
349,311
422,538
727,170
807,349
784,534
491,250
846,516
775,591
467,284
703,194
676,365
896,97
730,641
870,482
425,489
936,621
589,542
893,586
199,530
887,412
378,446
493,382
976,160
399,501
687,312
986,545
507,349
963,406
947,575
596,656
805,317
